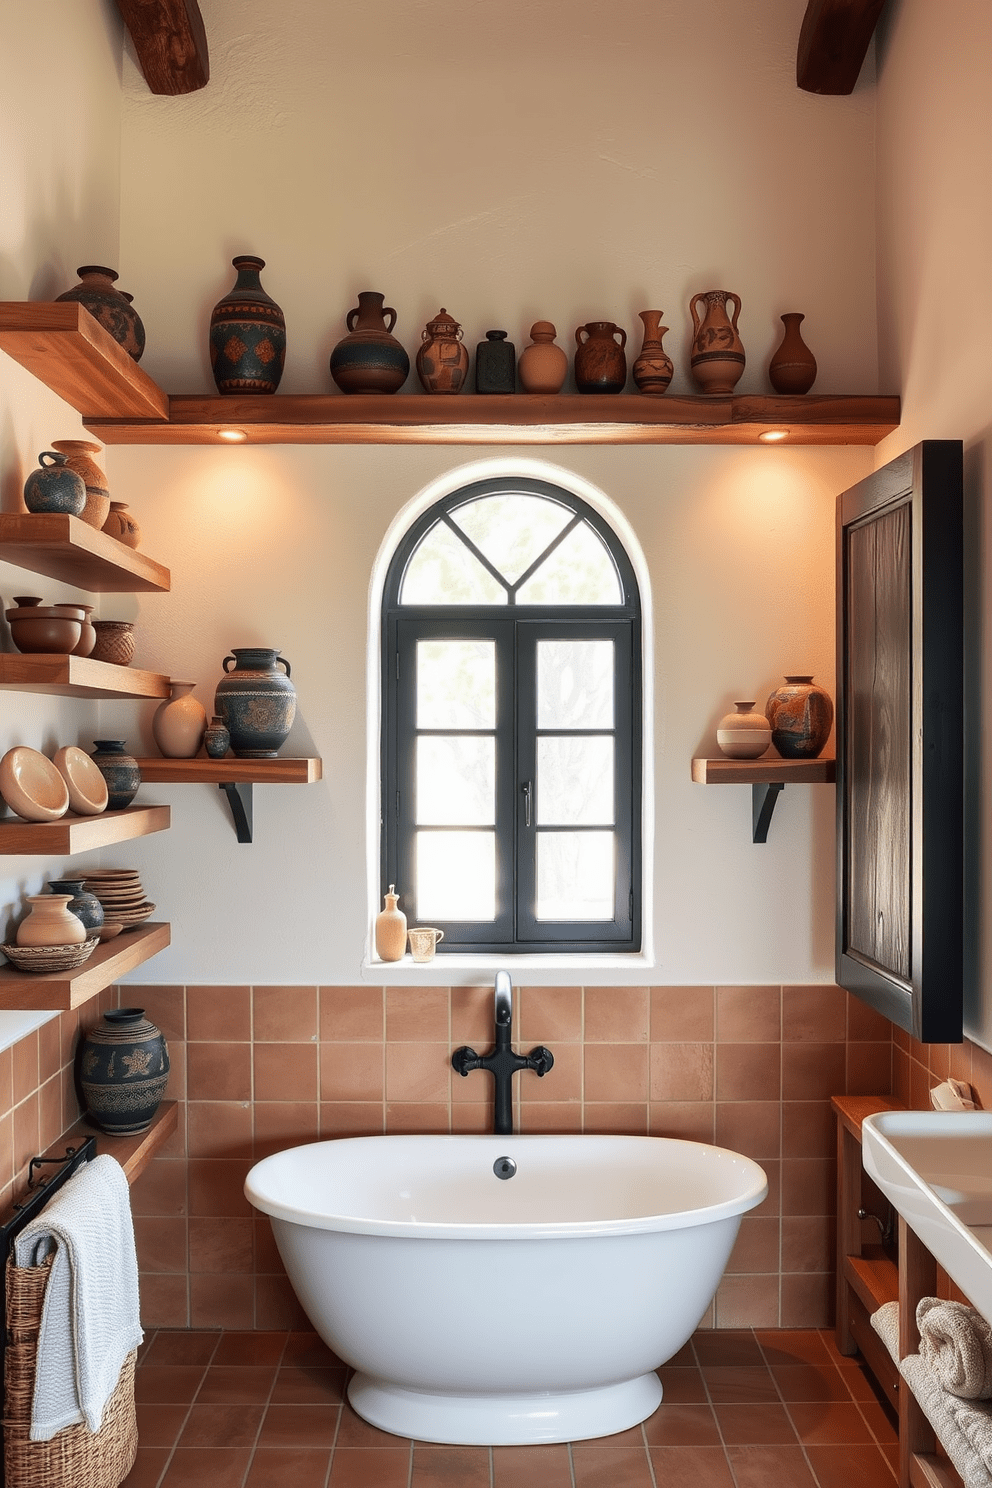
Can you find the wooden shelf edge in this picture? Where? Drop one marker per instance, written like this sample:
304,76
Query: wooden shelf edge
927,1471
64,548
76,834
159,771
133,1153
852,1109
59,992
77,676
723,771
70,352
875,1279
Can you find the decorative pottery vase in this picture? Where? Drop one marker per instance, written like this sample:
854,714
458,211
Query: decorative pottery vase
390,929
114,641
119,769
53,487
123,1071
743,734
216,738
600,364
543,366
442,361
80,453
495,364
50,922
370,359
84,905
109,306
793,367
87,635
179,724
256,701
653,369
247,334
717,357
800,714
121,525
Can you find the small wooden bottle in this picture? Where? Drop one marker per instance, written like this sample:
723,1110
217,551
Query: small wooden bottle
390,929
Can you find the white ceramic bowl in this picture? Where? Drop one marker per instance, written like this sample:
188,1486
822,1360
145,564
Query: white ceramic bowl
88,792
32,786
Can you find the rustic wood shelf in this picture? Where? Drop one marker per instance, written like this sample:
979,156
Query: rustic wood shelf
133,1153
62,990
64,548
77,676
852,1109
767,778
71,353
201,770
874,1277
75,834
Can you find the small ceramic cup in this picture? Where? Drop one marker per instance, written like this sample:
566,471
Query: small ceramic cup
423,943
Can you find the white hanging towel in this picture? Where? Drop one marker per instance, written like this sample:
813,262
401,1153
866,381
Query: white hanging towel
90,1319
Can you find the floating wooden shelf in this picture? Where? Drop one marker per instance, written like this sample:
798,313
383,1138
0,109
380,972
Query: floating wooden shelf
77,676
64,548
767,779
71,353
75,834
159,771
61,990
133,1153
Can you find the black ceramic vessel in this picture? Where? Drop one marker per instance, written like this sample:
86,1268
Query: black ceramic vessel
53,487
84,905
247,334
256,701
123,1070
495,364
119,769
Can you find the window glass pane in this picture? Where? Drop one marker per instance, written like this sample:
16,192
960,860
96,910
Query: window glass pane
456,781
456,684
456,876
579,571
512,531
443,571
575,874
575,684
575,781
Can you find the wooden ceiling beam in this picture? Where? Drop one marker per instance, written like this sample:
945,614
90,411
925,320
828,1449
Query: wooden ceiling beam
833,43
171,43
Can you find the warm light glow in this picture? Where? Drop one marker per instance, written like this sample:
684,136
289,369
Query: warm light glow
237,436
772,436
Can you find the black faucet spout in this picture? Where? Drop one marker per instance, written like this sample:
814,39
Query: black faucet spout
503,1062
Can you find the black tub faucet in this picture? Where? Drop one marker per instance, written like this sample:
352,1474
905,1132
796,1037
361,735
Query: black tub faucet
503,1063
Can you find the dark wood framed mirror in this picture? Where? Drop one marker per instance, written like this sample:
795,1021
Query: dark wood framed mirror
900,741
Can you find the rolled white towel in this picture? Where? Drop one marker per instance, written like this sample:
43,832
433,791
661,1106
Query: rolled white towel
956,1346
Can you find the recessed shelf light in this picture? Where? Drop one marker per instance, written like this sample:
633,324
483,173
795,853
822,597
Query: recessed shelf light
772,436
238,436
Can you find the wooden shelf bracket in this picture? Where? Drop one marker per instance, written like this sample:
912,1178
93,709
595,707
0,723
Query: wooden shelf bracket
764,799
239,798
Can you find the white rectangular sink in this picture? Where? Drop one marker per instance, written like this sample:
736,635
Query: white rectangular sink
935,1168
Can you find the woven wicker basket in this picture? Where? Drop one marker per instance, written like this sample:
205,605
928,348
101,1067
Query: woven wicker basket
76,1457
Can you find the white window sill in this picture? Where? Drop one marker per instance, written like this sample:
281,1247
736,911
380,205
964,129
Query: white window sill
602,968
16,1025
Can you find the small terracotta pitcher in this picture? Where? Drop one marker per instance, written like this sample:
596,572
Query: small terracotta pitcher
600,364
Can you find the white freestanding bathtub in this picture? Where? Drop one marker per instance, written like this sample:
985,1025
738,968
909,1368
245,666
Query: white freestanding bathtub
502,1311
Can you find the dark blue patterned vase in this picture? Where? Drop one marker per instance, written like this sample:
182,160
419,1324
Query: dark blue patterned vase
247,334
119,769
110,307
84,905
256,701
123,1068
53,487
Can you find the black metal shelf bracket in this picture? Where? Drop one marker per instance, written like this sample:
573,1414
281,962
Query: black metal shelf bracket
239,796
763,801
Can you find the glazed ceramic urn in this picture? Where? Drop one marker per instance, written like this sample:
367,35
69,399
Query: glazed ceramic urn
247,334
119,769
53,487
370,359
109,306
84,905
123,1071
801,714
256,701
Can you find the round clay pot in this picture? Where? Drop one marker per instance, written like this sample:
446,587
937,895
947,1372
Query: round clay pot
45,628
247,334
109,306
123,1071
179,724
600,364
370,359
119,769
80,454
121,525
50,922
801,714
793,367
54,487
256,701
84,905
543,366
442,361
114,641
745,733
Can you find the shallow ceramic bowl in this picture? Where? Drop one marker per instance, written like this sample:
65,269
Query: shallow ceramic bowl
88,792
49,958
31,785
109,929
45,629
131,917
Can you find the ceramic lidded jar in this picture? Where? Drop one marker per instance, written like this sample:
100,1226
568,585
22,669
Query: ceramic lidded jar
745,733
84,905
543,366
122,525
653,369
179,724
79,453
53,487
119,769
256,701
390,929
793,367
801,714
600,363
442,361
109,306
717,358
123,1071
216,738
370,359
50,922
495,364
247,334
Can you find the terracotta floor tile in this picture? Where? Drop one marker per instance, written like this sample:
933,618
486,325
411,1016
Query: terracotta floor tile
691,1467
212,1467
181,1346
377,1467
789,1346
160,1425
450,1467
833,1423
879,1422
725,1346
810,1382
686,1356
858,1384
298,1425
298,1384
148,1467
740,1383
754,1425
289,1467
235,1384
688,1425
356,1432
681,1384
762,1467
307,1348
250,1348
634,1437
850,1467
531,1467
621,1467
222,1426
166,1384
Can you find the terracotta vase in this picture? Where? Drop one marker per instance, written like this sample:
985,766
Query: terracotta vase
800,714
123,1071
256,701
653,369
442,361
543,366
216,738
53,487
84,905
119,769
114,642
793,367
370,359
50,922
600,364
717,358
390,929
80,454
495,364
247,334
745,733
121,525
109,306
179,724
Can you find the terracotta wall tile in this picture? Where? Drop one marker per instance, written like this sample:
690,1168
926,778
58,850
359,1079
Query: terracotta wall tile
808,1186
219,1128
164,1301
869,1069
224,1245
6,1079
285,1072
616,1015
683,1014
563,1082
814,1015
900,1076
418,1072
161,1244
276,1305
864,1023
165,1006
681,1072
812,1071
280,1124
161,1189
616,1071
981,1075
689,1121
284,1014
49,1048
417,1014
25,1067
352,1013
218,1014
478,1118
219,1072
352,1072
751,1127
351,1118
216,1187
748,1015
221,1301
622,1118
747,1302
961,1066
809,1129
746,1072
757,1247
807,1244
807,1301
410,1117
550,1116
548,1015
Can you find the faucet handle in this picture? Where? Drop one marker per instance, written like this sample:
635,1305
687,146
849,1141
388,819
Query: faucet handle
465,1059
540,1060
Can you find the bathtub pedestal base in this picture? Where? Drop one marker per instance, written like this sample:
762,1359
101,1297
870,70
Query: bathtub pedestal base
505,1420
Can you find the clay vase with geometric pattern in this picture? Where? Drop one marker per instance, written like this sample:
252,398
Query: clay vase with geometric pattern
247,334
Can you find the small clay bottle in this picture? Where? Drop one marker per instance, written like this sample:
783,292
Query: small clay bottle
495,364
390,929
543,366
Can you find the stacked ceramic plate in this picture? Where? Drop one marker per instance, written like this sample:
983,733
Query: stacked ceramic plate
119,891
48,958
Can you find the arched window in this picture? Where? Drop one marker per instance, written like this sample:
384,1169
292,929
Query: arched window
512,723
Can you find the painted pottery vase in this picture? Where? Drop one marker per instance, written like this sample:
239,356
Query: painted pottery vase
653,369
370,359
442,361
123,1068
122,525
543,366
53,487
247,334
119,769
800,714
109,306
87,635
179,724
216,738
390,929
84,905
717,358
114,641
256,701
793,367
495,364
50,922
600,363
745,733
80,454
